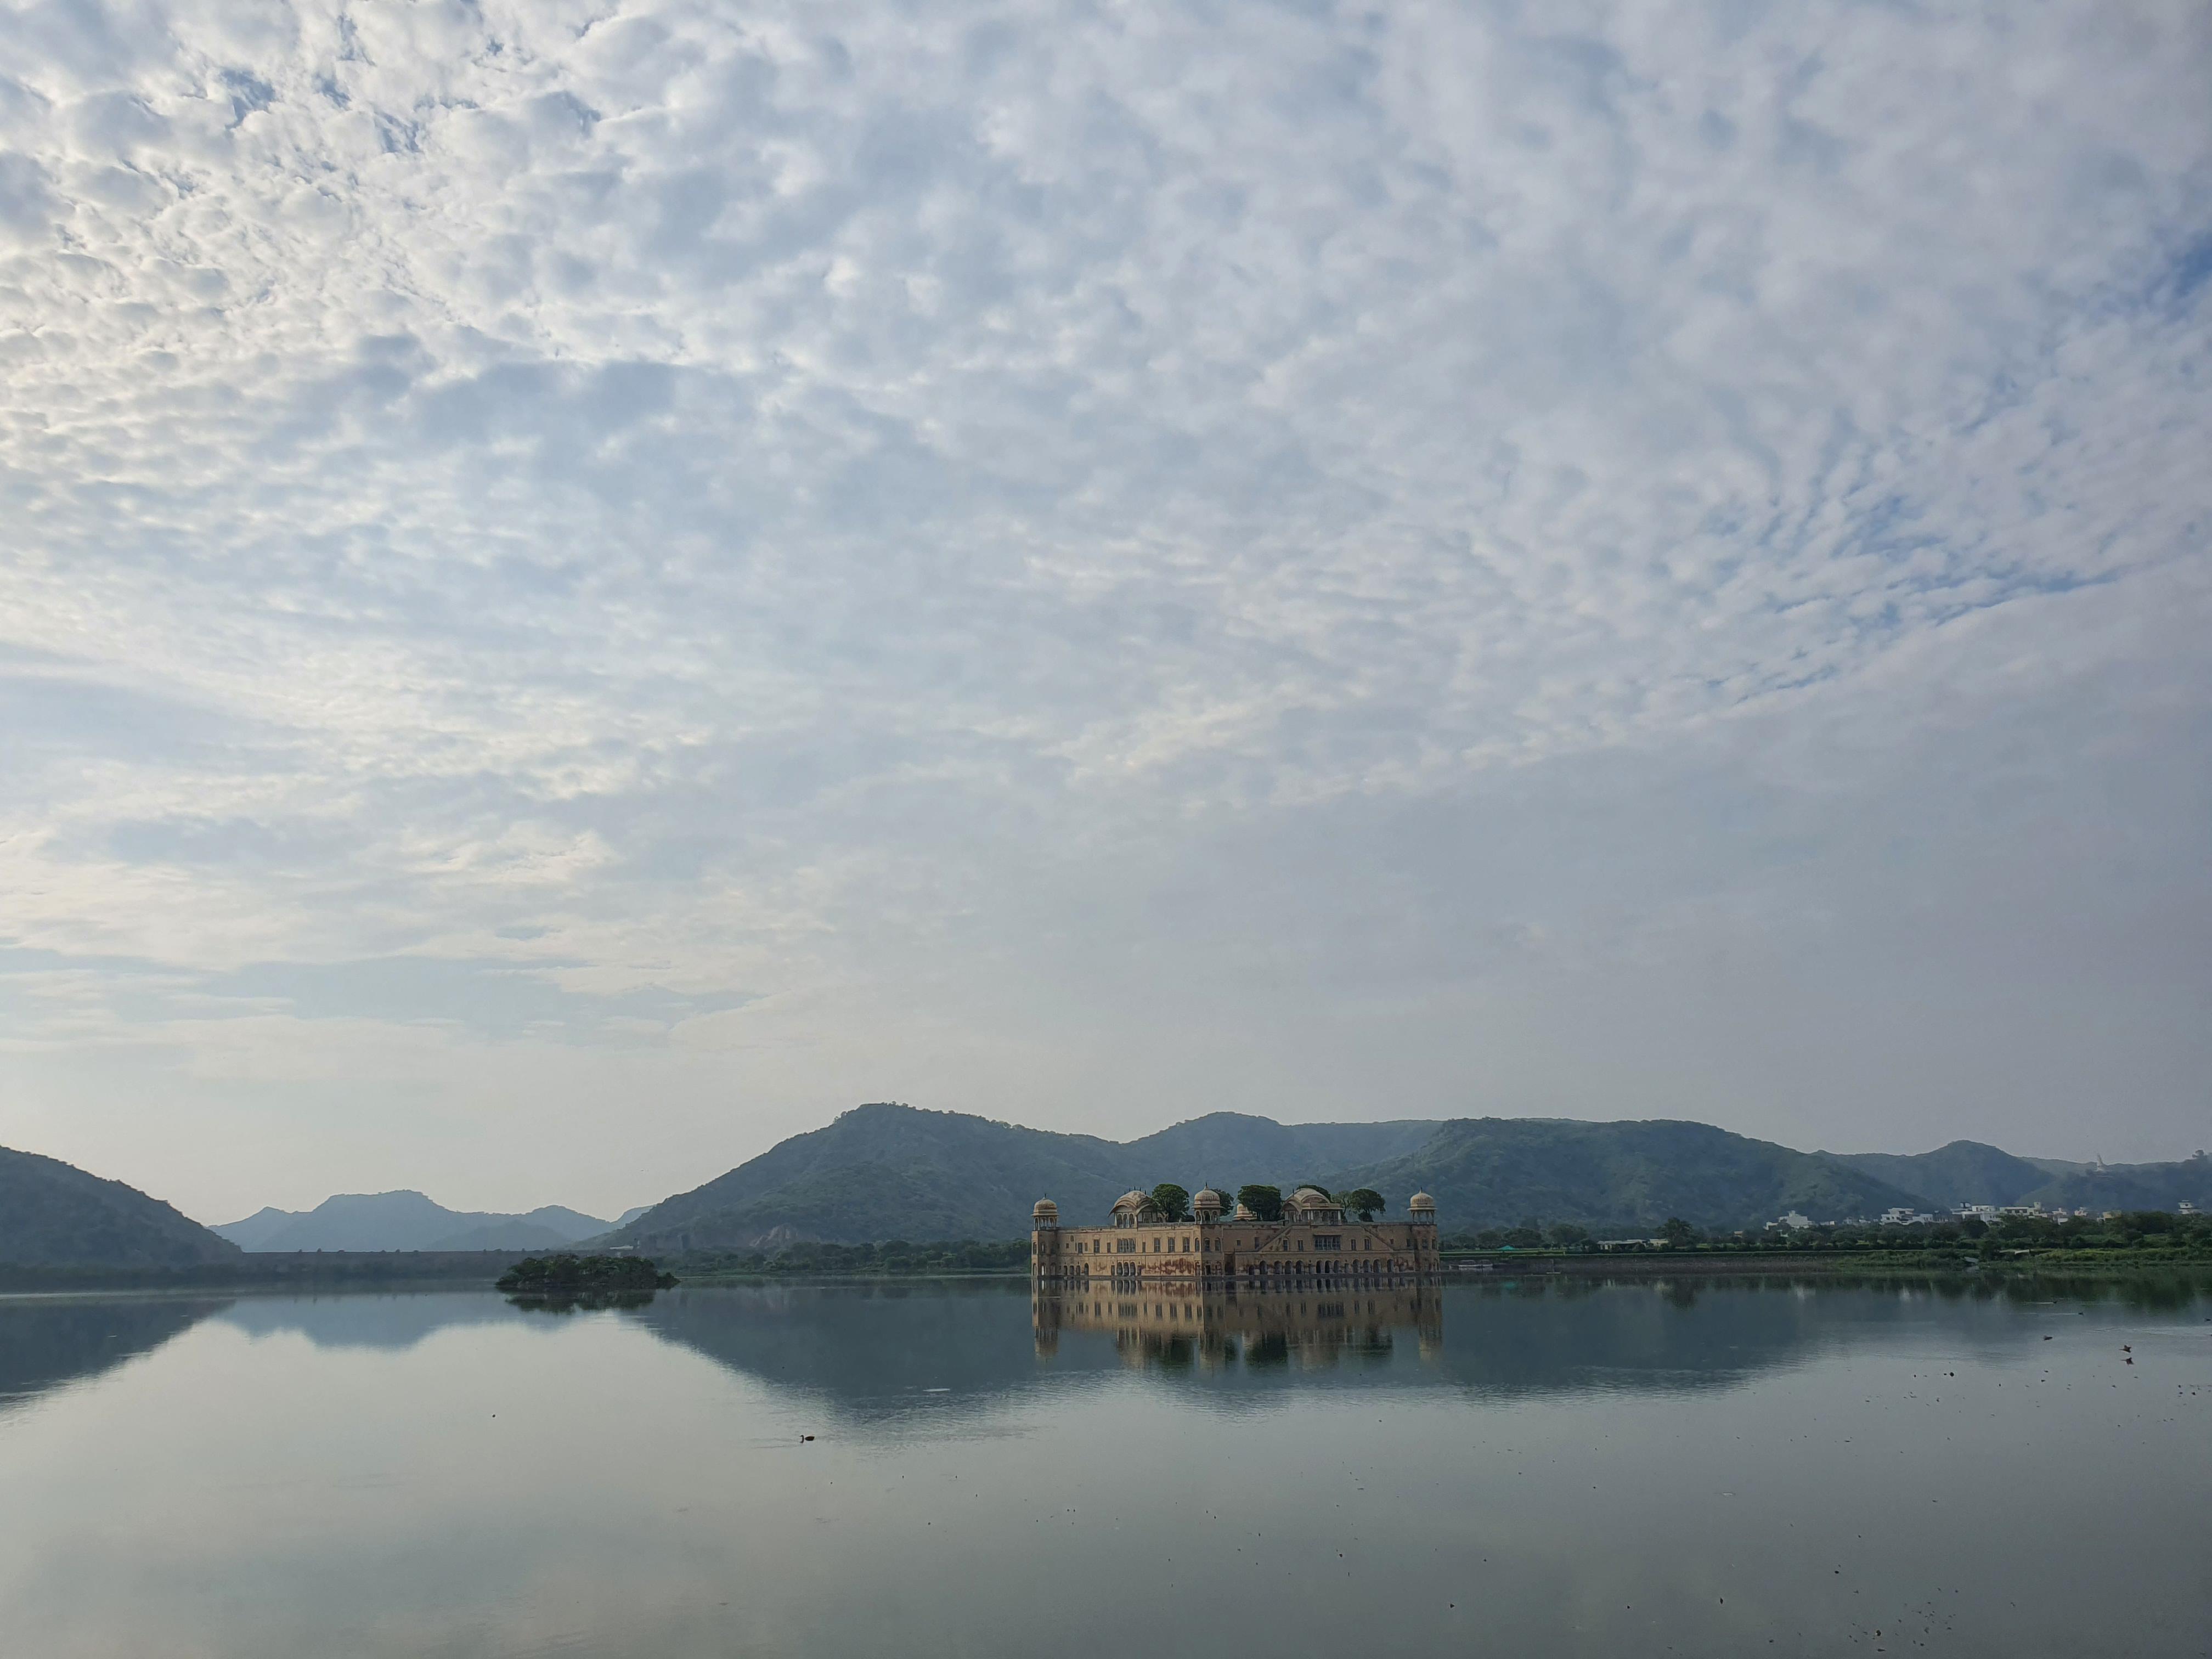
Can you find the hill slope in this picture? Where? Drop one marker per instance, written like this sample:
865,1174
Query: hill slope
406,1221
1968,1172
2099,1187
1619,1178
55,1215
1964,1172
1224,1142
889,1171
885,1171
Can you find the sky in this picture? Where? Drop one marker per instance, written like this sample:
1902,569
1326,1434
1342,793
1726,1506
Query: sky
585,586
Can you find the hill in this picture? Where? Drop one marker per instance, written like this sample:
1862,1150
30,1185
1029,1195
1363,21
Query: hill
53,1214
2099,1187
1619,1178
406,1221
888,1171
1968,1172
1964,1172
1233,1141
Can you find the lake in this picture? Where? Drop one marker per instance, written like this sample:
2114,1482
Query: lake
1548,1467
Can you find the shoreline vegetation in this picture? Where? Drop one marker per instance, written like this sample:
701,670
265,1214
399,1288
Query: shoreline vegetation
2120,1239
2112,1247
896,1258
1885,1264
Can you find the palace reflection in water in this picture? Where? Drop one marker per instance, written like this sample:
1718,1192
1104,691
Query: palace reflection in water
1214,1328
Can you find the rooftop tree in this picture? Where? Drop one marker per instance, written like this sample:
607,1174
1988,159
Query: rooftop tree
1266,1202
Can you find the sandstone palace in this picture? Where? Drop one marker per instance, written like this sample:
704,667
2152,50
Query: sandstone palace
1314,1241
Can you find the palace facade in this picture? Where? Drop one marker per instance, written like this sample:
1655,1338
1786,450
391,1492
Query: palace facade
1313,1242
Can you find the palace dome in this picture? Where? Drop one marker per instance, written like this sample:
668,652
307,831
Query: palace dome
1420,1202
1207,1198
1133,1199
1313,1197
1043,1207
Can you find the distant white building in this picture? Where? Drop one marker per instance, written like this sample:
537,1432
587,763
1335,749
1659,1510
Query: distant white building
2185,1208
1792,1222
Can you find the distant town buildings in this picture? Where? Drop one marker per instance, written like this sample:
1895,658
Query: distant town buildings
1989,1215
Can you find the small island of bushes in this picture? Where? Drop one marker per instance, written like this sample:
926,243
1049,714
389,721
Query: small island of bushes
583,1275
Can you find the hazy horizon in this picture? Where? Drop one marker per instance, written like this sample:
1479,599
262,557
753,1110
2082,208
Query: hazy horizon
586,586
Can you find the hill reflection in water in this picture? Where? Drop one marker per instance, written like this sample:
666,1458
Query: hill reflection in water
907,1353
890,1354
836,1469
48,1342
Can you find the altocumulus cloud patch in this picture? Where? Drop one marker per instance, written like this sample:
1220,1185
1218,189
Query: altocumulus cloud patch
931,529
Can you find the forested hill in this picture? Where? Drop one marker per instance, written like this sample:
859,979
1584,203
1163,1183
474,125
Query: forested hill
1623,1178
54,1214
889,1171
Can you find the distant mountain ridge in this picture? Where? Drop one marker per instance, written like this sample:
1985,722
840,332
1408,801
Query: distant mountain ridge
54,1214
406,1220
885,1171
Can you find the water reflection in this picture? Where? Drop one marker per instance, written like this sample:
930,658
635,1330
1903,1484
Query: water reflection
47,1342
960,1470
1178,1327
881,1353
576,1302
387,1321
889,1353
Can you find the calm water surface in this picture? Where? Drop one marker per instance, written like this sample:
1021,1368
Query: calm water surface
1571,1469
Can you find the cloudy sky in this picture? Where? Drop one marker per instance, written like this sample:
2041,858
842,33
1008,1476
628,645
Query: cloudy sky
585,583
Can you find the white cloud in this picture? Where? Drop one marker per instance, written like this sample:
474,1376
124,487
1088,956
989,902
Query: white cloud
889,523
